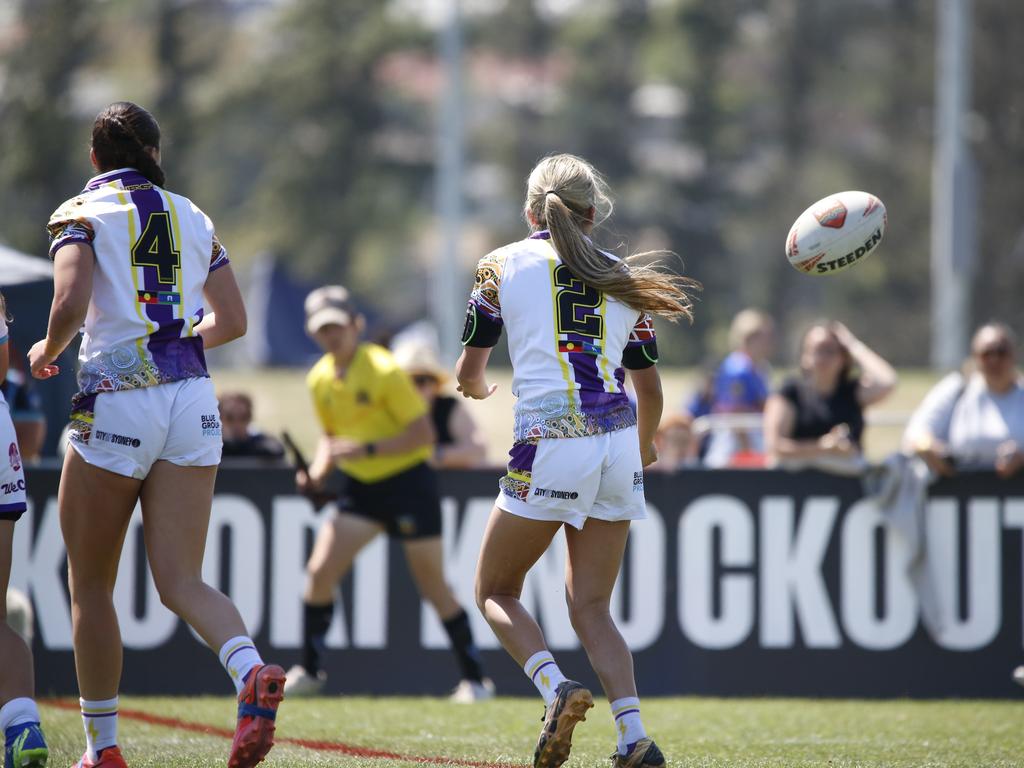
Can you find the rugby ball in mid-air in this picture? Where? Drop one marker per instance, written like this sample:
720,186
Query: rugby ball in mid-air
835,233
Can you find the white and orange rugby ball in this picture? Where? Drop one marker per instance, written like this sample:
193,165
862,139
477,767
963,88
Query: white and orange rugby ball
836,233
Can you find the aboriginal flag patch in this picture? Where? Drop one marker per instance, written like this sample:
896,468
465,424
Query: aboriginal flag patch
159,297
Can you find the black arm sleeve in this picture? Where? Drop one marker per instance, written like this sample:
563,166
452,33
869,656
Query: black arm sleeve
480,330
640,356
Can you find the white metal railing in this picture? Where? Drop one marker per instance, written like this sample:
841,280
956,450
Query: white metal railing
702,425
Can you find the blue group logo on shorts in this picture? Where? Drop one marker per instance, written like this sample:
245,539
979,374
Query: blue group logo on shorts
638,482
211,424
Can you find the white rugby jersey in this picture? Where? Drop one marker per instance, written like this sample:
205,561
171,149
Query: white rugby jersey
154,250
569,343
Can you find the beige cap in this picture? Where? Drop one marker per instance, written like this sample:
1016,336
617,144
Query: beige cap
329,304
416,358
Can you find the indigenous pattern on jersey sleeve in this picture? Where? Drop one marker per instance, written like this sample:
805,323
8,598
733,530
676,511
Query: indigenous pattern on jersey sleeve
483,313
68,225
642,347
219,255
486,286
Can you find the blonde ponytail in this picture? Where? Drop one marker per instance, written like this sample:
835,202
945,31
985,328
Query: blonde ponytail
564,194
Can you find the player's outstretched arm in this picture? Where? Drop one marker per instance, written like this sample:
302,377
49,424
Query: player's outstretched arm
73,266
227,320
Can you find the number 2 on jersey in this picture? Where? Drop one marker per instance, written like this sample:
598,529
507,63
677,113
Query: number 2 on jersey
573,295
155,248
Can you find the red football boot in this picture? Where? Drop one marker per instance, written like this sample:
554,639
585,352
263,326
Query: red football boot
110,757
257,709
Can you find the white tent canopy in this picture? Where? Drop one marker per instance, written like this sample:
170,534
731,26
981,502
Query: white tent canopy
17,267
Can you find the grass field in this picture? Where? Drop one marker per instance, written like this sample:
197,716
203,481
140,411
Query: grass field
397,732
282,402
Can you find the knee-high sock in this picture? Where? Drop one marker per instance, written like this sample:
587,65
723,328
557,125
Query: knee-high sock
466,652
316,620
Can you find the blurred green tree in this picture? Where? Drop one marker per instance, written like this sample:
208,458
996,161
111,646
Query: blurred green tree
43,155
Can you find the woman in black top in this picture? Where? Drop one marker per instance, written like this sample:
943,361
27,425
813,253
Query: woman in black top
818,416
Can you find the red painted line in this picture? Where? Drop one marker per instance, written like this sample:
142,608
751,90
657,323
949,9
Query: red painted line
314,744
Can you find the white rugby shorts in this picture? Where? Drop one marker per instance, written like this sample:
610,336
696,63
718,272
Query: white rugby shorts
570,479
12,473
133,428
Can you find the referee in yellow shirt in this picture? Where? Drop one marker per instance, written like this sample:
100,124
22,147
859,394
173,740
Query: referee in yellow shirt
377,431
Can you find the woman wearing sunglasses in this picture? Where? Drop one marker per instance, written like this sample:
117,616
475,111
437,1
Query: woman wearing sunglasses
975,419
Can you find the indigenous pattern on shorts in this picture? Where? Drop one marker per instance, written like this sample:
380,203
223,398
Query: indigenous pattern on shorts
154,251
519,476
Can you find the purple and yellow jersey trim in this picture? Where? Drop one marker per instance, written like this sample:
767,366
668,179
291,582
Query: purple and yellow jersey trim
218,256
519,474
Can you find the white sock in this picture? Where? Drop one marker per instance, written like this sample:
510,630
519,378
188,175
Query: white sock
629,729
18,712
99,718
544,673
238,656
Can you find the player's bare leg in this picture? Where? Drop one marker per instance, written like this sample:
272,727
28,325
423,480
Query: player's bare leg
176,504
24,743
511,546
176,518
95,508
595,556
593,564
17,679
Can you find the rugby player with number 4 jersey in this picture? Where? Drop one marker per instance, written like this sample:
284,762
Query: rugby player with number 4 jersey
134,265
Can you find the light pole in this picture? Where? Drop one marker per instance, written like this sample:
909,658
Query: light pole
447,297
954,189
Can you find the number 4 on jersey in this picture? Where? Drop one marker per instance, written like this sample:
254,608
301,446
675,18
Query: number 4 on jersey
155,248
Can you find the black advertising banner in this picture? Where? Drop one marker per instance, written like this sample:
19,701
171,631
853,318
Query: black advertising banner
738,583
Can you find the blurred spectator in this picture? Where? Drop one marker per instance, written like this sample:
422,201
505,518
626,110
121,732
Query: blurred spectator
26,408
459,444
817,418
740,385
677,445
974,419
241,439
20,616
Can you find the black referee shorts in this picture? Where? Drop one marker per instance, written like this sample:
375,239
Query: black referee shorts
408,504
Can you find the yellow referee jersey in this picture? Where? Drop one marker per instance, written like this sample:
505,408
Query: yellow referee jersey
374,401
